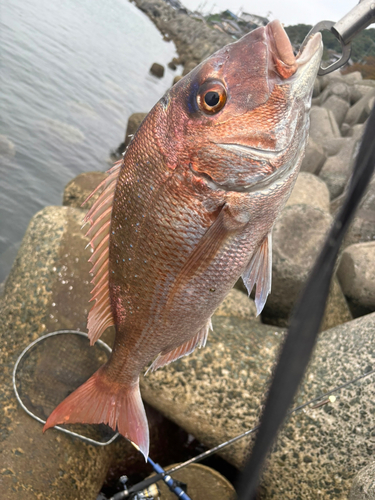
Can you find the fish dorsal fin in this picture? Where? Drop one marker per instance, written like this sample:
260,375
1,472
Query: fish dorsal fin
99,217
199,340
259,272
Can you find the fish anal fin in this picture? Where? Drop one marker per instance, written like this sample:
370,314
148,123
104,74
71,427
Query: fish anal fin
99,216
259,272
199,340
100,400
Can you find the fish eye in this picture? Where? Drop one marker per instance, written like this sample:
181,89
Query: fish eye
211,97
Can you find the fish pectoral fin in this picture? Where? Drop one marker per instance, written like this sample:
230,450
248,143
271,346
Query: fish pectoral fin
259,272
199,340
206,250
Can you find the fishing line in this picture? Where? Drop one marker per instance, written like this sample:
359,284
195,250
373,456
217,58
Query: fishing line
42,383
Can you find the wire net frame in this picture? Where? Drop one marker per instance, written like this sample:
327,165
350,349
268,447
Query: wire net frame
21,357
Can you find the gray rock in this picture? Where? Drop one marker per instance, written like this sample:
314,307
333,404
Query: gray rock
336,204
297,238
310,190
316,88
314,157
337,309
189,66
358,91
157,70
334,76
218,390
337,88
323,125
332,146
346,130
357,277
217,393
134,122
362,228
237,304
176,79
79,188
352,78
338,106
337,169
361,109
364,484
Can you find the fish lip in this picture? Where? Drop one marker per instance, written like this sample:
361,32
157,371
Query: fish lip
281,43
285,63
309,50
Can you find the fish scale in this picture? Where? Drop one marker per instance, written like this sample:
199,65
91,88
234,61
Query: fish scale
188,210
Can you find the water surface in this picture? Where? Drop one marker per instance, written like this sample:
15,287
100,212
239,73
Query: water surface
71,73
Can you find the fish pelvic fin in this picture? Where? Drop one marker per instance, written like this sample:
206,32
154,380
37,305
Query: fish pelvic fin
259,272
100,400
199,340
99,217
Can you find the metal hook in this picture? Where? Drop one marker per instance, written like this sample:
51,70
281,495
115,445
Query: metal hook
355,21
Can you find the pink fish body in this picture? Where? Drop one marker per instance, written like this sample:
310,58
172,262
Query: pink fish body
188,210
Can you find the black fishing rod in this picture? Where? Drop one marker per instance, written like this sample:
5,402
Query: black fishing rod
308,314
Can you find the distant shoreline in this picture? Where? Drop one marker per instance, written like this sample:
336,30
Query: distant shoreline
194,40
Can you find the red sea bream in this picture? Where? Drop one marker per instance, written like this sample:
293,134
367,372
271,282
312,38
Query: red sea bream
188,210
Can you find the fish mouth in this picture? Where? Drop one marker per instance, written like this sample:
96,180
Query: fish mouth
285,62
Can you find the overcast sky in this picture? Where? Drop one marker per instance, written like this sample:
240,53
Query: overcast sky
287,11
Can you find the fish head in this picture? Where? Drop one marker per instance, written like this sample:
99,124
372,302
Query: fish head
241,118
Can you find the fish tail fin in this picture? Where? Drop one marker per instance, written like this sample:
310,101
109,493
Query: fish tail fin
102,401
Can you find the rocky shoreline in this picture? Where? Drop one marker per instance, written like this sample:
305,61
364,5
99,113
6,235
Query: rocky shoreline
218,391
194,40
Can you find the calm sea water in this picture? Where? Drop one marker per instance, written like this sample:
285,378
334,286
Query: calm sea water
71,73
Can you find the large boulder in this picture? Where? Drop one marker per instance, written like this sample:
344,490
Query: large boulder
359,90
352,78
314,157
338,106
218,392
309,190
323,125
133,125
338,168
298,236
79,188
357,277
157,70
237,304
362,228
364,484
361,109
337,88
